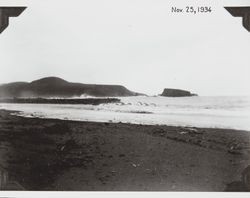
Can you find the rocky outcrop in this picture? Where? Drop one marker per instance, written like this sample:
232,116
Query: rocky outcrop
176,93
57,87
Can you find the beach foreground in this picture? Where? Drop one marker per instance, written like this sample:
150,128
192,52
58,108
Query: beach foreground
50,154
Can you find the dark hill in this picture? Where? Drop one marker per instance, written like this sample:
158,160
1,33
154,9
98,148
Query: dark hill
57,87
49,81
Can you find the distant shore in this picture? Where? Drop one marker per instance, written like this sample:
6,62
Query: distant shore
92,101
51,154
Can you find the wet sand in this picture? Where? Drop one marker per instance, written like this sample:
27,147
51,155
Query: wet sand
51,154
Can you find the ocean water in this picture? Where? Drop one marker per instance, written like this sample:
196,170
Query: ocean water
212,112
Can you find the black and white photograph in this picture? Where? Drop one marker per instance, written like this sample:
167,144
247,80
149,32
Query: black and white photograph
125,96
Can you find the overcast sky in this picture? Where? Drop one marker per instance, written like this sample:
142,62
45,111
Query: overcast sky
136,43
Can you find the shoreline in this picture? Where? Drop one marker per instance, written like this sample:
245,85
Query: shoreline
92,101
53,154
21,113
18,113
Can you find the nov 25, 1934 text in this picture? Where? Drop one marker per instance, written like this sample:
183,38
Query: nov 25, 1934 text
192,9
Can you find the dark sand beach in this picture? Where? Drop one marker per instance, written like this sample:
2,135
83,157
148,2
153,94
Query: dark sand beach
51,154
